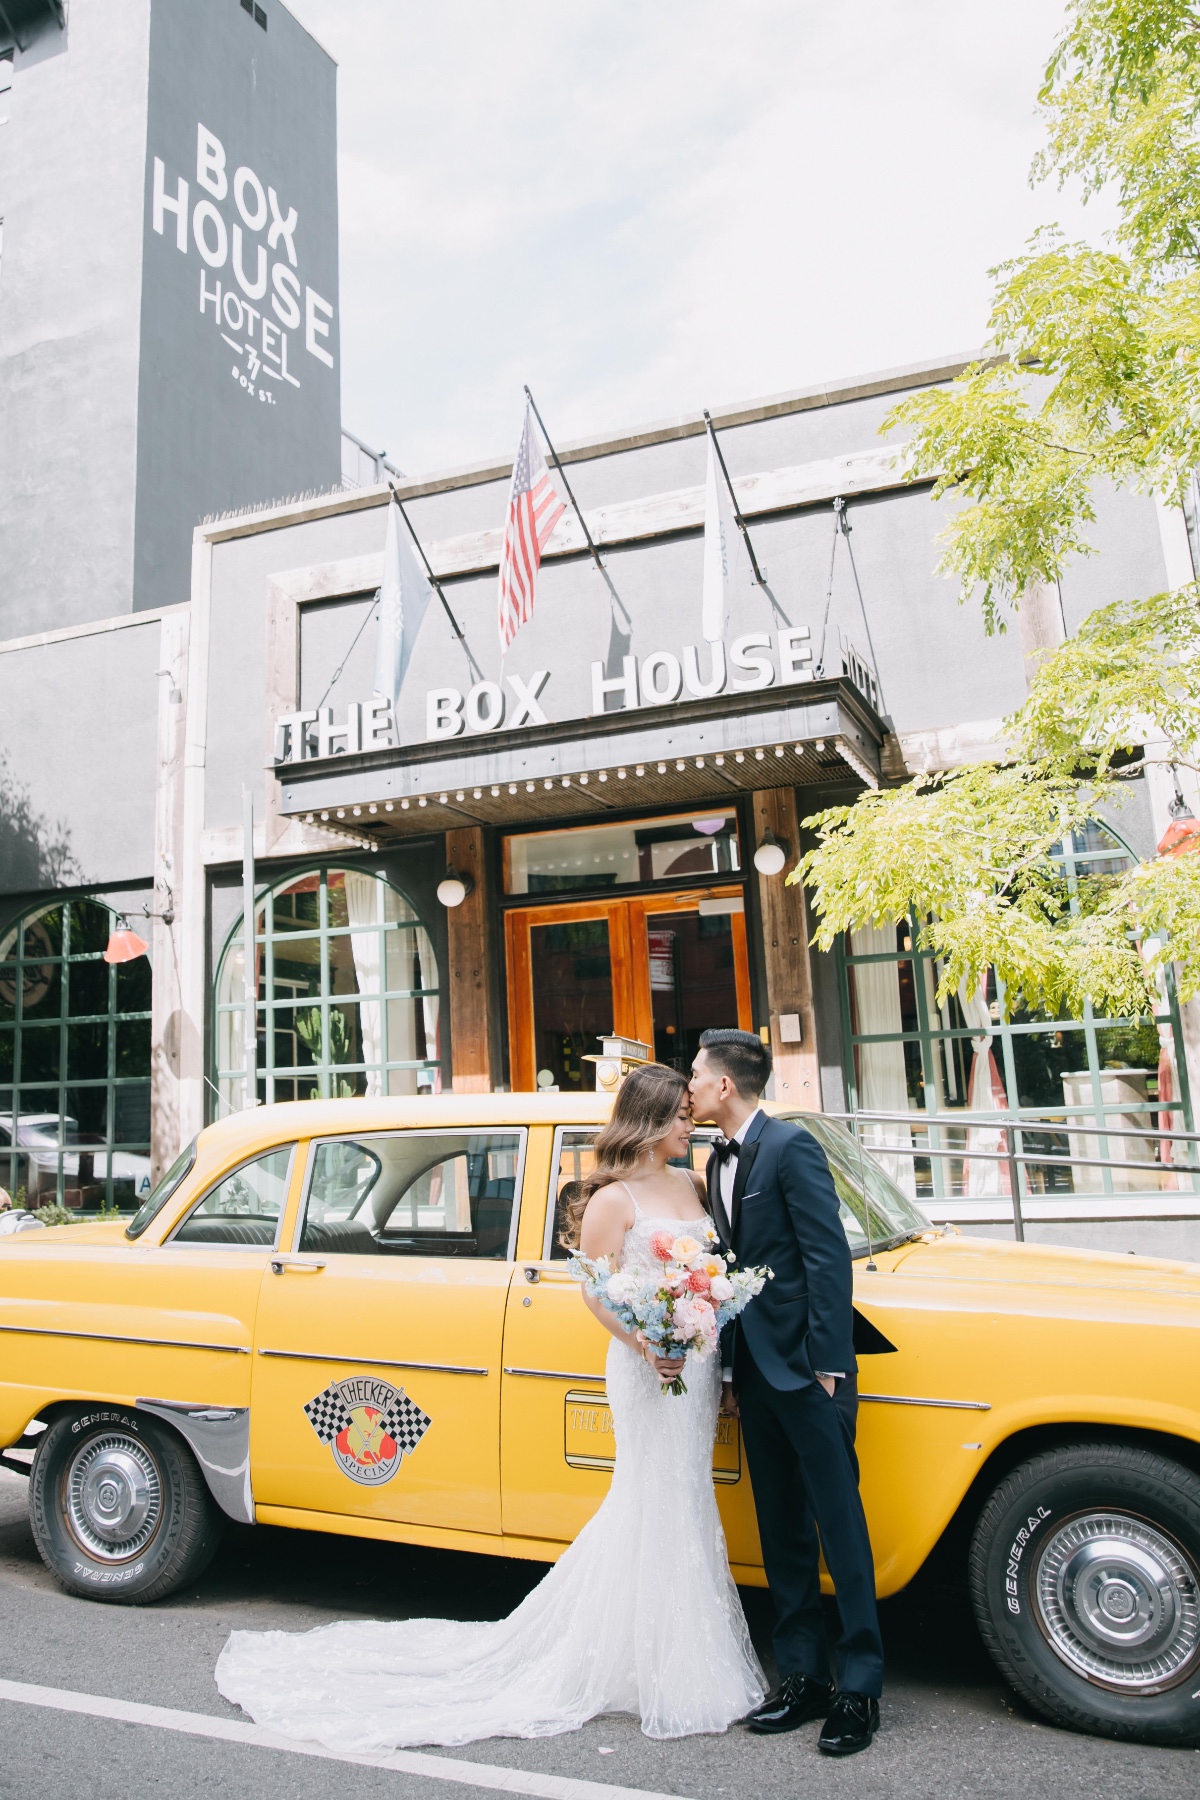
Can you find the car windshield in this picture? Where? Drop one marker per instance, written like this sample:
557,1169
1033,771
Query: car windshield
154,1202
860,1182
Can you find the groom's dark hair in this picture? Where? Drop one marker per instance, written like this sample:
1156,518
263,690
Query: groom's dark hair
744,1058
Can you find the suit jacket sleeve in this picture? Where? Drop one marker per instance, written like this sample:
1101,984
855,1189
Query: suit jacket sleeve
812,1204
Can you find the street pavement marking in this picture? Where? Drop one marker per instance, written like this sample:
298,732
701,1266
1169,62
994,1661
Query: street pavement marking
404,1762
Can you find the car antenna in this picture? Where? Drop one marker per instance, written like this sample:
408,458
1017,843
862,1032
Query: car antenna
862,1177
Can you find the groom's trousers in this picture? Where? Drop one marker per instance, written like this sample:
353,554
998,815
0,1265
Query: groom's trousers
800,1450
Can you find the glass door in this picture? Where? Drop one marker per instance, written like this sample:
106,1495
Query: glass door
659,969
697,972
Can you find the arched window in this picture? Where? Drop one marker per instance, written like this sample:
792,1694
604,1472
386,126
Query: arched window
347,988
74,1062
908,1057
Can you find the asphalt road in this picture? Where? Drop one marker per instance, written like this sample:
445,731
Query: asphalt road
950,1727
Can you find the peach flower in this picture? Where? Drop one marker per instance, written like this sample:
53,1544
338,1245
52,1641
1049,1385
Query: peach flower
662,1246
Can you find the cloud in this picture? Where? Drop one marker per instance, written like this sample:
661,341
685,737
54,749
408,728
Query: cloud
643,209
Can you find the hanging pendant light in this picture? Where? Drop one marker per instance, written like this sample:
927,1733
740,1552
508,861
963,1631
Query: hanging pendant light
124,944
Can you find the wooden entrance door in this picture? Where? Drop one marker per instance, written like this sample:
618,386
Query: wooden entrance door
653,968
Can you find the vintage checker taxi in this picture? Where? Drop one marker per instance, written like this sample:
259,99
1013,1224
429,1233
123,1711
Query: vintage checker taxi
353,1316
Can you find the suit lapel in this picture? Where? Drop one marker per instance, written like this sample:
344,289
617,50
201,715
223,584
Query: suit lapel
745,1162
716,1205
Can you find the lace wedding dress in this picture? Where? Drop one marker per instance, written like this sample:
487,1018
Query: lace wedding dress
639,1615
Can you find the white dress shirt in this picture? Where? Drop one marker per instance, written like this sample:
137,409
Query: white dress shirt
727,1175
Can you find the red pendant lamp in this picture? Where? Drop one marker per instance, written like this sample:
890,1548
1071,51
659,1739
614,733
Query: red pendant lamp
124,944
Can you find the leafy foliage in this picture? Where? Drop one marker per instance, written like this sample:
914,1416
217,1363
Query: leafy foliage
1095,378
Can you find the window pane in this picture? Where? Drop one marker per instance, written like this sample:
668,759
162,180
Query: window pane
415,1194
133,1047
87,1052
40,1053
693,985
91,926
131,1113
41,990
10,984
576,1158
244,1208
572,1000
134,981
690,847
87,984
6,1053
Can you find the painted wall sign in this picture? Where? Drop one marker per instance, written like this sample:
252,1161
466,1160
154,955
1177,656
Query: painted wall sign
239,395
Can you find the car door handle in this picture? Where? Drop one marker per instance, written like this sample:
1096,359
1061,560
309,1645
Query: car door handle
311,1263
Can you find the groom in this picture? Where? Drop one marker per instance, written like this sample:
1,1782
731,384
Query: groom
793,1369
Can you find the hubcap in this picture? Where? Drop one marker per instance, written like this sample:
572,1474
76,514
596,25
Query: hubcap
1119,1602
113,1497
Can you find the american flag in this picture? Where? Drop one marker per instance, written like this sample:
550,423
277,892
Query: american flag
534,509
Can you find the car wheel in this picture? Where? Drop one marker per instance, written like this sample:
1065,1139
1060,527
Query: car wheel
1085,1576
119,1509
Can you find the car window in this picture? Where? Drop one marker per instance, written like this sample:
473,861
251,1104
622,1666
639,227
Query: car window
154,1203
574,1158
414,1193
244,1207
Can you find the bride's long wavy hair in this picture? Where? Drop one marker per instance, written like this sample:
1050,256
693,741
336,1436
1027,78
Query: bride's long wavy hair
647,1105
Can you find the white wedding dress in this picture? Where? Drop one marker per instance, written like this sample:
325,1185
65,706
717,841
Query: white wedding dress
639,1615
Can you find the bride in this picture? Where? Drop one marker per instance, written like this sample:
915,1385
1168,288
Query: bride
640,1613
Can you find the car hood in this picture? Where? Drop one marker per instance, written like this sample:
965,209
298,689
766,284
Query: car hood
988,1261
106,1231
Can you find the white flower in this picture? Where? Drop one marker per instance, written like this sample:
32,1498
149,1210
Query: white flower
622,1288
722,1288
684,1248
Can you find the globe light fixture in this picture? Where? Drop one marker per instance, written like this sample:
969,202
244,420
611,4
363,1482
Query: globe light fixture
453,888
771,854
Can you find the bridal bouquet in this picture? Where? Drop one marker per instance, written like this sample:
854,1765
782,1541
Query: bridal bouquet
684,1304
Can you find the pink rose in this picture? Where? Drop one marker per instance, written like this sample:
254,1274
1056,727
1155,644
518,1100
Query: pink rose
661,1245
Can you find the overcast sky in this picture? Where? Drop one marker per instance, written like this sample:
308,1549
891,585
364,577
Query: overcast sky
642,207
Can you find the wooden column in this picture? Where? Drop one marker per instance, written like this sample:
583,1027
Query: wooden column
786,931
470,972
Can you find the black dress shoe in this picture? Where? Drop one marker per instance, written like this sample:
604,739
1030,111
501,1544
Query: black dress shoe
852,1723
796,1700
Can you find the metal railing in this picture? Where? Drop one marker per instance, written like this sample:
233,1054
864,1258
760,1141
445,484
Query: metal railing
1018,1160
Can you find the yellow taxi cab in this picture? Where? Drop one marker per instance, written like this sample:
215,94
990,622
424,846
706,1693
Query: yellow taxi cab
354,1316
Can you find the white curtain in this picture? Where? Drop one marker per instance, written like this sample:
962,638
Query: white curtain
412,964
883,1083
986,1093
362,908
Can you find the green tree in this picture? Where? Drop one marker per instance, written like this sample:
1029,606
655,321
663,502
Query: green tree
1095,378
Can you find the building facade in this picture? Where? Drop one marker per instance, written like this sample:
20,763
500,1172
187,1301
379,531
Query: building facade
168,290
599,796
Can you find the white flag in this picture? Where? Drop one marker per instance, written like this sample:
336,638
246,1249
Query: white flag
727,571
404,595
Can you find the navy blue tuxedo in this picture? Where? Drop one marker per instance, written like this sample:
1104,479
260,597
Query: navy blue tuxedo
799,1440
785,1214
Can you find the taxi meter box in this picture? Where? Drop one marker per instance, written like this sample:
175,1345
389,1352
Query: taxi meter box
355,1316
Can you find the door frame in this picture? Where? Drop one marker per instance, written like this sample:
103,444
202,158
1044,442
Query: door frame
633,1004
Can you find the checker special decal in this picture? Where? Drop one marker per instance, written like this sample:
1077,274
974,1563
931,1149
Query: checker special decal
369,1425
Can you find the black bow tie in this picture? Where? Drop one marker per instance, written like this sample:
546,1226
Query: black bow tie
724,1148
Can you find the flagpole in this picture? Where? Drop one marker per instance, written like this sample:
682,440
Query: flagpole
435,583
737,511
574,502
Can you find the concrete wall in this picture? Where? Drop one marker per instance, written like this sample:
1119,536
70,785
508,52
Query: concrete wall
71,160
77,759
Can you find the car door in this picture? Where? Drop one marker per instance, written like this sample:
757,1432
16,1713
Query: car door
376,1388
557,1438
